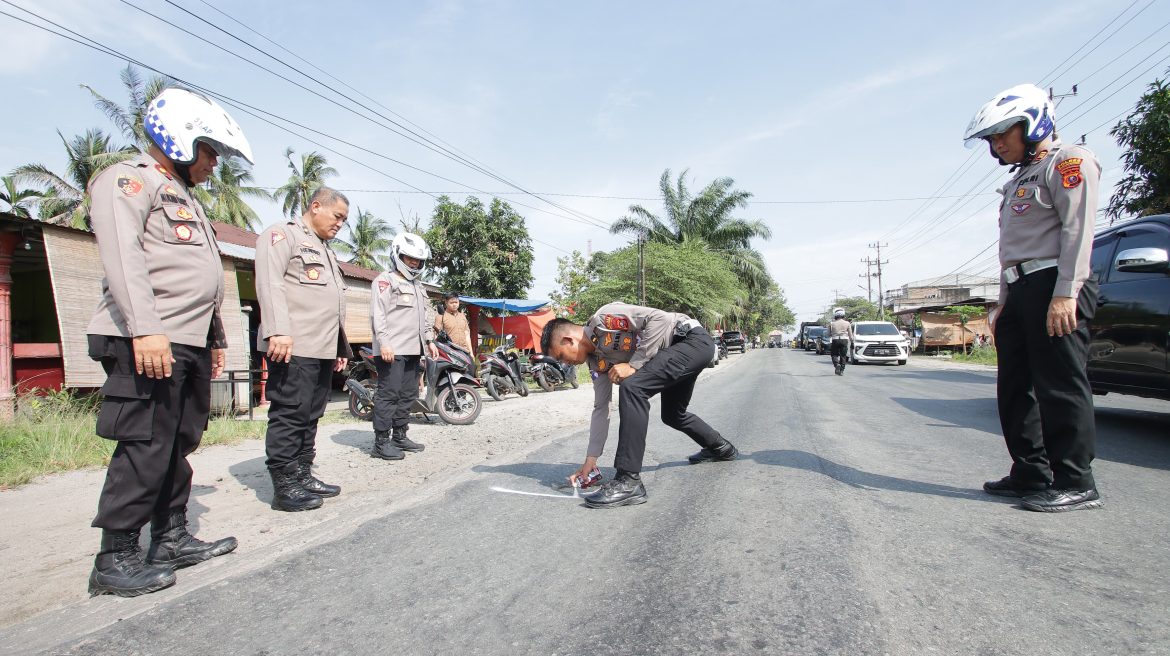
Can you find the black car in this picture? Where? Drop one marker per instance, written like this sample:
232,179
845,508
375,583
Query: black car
814,338
733,340
1130,334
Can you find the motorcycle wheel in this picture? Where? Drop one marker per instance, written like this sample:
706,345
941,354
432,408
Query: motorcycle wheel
492,390
459,405
523,389
573,378
543,381
365,413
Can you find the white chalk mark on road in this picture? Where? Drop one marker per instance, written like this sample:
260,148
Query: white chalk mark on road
496,488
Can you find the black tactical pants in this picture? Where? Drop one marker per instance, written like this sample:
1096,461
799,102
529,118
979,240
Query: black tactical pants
157,424
839,352
1045,403
672,372
397,392
298,392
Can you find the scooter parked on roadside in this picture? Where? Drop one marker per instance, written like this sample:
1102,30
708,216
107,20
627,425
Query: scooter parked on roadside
548,373
501,373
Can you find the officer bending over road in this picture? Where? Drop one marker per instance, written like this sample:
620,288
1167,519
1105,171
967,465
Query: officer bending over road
839,341
645,351
302,315
1046,300
159,336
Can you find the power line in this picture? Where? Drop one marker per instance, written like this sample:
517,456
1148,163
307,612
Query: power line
1111,35
1086,43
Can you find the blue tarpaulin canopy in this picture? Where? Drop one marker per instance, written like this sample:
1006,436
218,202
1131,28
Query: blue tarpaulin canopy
509,304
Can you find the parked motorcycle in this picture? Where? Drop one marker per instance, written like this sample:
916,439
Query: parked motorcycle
450,390
501,373
548,373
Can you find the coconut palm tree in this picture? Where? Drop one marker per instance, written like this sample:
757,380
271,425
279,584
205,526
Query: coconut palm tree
294,195
223,199
706,217
65,199
369,239
20,201
129,119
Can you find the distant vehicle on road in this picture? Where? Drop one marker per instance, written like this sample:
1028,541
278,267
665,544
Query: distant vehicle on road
877,341
733,340
1129,335
812,340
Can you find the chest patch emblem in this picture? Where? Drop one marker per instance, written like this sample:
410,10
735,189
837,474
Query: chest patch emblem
1021,192
607,340
277,237
184,213
1020,208
130,185
167,189
183,233
627,343
615,322
1070,172
163,171
313,273
602,365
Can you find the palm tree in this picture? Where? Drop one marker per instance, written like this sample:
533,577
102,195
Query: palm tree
19,203
294,195
224,196
706,218
65,199
129,119
369,239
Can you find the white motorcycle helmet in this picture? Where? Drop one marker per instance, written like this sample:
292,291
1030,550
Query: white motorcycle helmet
838,313
178,119
410,245
1026,103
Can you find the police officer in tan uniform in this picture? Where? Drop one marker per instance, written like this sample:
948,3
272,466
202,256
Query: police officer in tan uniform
839,341
1046,301
302,317
159,336
402,328
646,351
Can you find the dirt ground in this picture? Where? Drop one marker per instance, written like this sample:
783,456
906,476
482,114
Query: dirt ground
47,545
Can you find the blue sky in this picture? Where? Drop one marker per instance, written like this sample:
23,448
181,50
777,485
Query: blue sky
830,101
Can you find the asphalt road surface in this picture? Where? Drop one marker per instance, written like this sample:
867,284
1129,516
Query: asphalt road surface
852,524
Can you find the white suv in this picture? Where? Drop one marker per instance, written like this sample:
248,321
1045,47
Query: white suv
878,341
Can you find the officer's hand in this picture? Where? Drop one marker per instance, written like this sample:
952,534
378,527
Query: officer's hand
280,348
1062,316
993,316
577,476
341,362
218,360
620,372
387,354
433,350
152,356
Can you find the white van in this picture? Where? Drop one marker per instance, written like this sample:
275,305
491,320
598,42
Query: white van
878,341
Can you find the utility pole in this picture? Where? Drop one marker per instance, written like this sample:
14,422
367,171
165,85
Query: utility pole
641,268
836,296
877,262
868,280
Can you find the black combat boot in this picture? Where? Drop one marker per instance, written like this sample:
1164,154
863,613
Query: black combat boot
311,483
625,489
403,442
172,546
287,493
725,451
384,449
118,568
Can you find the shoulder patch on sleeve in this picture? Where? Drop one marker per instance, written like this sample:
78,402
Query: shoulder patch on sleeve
1070,172
277,236
129,184
383,285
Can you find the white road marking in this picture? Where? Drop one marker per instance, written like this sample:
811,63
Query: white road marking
496,488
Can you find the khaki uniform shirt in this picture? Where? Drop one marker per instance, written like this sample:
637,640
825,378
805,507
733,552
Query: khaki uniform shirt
163,274
1048,211
839,328
455,323
301,292
398,314
622,333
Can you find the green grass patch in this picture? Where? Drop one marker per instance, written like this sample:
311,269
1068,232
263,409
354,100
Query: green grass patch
982,355
55,433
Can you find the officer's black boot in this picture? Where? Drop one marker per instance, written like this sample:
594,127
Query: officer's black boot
287,493
311,483
403,442
625,489
725,451
118,568
384,449
172,546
